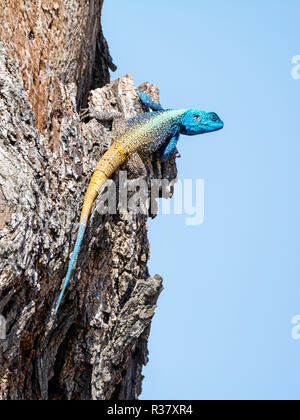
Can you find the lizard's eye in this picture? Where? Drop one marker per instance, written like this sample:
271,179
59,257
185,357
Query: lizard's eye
214,117
197,117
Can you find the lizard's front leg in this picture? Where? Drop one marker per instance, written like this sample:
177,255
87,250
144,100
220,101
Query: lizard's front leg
148,103
168,149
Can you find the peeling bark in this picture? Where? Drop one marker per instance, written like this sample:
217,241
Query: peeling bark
52,53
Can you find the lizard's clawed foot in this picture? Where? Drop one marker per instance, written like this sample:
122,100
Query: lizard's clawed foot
85,113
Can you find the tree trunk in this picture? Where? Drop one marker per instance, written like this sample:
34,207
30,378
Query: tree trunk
52,53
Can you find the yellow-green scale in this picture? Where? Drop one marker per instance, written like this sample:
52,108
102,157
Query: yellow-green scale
148,132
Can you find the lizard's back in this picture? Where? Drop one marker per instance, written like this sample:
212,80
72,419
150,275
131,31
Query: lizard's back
147,132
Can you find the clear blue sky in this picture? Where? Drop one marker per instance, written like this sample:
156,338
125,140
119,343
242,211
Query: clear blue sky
222,329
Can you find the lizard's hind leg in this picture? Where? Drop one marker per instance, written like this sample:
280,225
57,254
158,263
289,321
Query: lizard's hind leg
136,165
89,113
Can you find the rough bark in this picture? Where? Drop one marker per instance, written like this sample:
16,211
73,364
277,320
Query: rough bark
52,53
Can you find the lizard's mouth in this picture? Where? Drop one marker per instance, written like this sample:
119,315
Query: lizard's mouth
214,127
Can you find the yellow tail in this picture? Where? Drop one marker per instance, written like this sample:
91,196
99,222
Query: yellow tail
107,165
109,162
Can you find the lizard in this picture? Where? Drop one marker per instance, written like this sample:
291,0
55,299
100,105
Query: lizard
146,133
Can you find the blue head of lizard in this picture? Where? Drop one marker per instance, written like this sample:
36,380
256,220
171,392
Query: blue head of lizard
195,122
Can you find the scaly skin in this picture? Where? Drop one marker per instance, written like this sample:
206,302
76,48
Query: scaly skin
109,162
147,133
